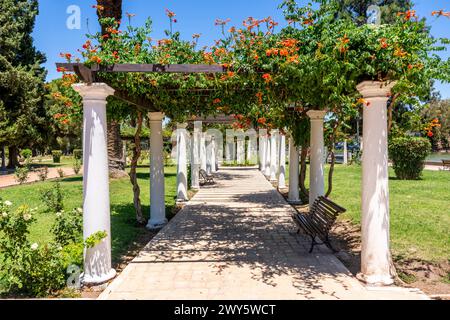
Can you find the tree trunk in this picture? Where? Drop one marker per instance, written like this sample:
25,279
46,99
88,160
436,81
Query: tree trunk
136,149
113,9
302,177
115,150
109,9
330,173
390,111
13,157
332,139
3,167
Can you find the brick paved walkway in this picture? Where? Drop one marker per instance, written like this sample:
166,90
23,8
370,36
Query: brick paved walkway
235,240
10,180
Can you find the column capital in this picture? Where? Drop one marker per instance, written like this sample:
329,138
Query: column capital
375,89
316,114
182,125
94,91
156,116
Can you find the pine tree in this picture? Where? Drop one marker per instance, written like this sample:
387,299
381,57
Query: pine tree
22,114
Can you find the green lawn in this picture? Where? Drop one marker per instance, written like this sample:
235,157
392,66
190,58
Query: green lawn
123,228
420,211
66,161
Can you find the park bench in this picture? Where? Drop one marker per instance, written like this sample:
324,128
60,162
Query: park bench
318,222
446,164
207,178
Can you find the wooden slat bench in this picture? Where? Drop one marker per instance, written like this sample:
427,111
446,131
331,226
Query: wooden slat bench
207,178
318,222
446,164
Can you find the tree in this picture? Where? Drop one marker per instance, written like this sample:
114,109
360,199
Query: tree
136,149
64,110
436,116
112,9
22,114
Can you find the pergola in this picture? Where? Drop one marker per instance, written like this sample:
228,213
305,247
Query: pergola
376,264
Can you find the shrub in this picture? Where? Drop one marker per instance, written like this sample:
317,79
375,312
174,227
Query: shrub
68,227
78,154
56,156
42,173
60,172
76,166
26,153
145,155
408,155
39,270
53,198
26,268
21,174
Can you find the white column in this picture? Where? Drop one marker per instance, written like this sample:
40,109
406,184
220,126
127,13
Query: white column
157,187
248,155
273,155
294,162
376,267
195,155
228,149
182,187
345,153
252,154
96,206
316,176
203,157
262,149
214,165
241,149
209,149
267,157
282,163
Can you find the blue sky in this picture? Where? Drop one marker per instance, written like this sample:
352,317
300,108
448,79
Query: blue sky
194,16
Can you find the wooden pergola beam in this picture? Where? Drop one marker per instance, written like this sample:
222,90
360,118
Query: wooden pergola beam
145,68
139,102
89,75
219,119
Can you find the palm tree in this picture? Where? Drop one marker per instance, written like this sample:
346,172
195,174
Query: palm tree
113,9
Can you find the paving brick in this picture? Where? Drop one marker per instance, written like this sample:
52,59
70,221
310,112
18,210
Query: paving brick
236,240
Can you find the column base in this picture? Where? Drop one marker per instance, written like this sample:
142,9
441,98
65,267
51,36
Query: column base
98,280
294,202
156,225
376,280
182,201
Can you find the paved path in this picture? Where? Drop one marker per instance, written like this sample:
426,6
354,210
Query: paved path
234,241
10,180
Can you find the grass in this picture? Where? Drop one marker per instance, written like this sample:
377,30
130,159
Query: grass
66,161
419,211
124,230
